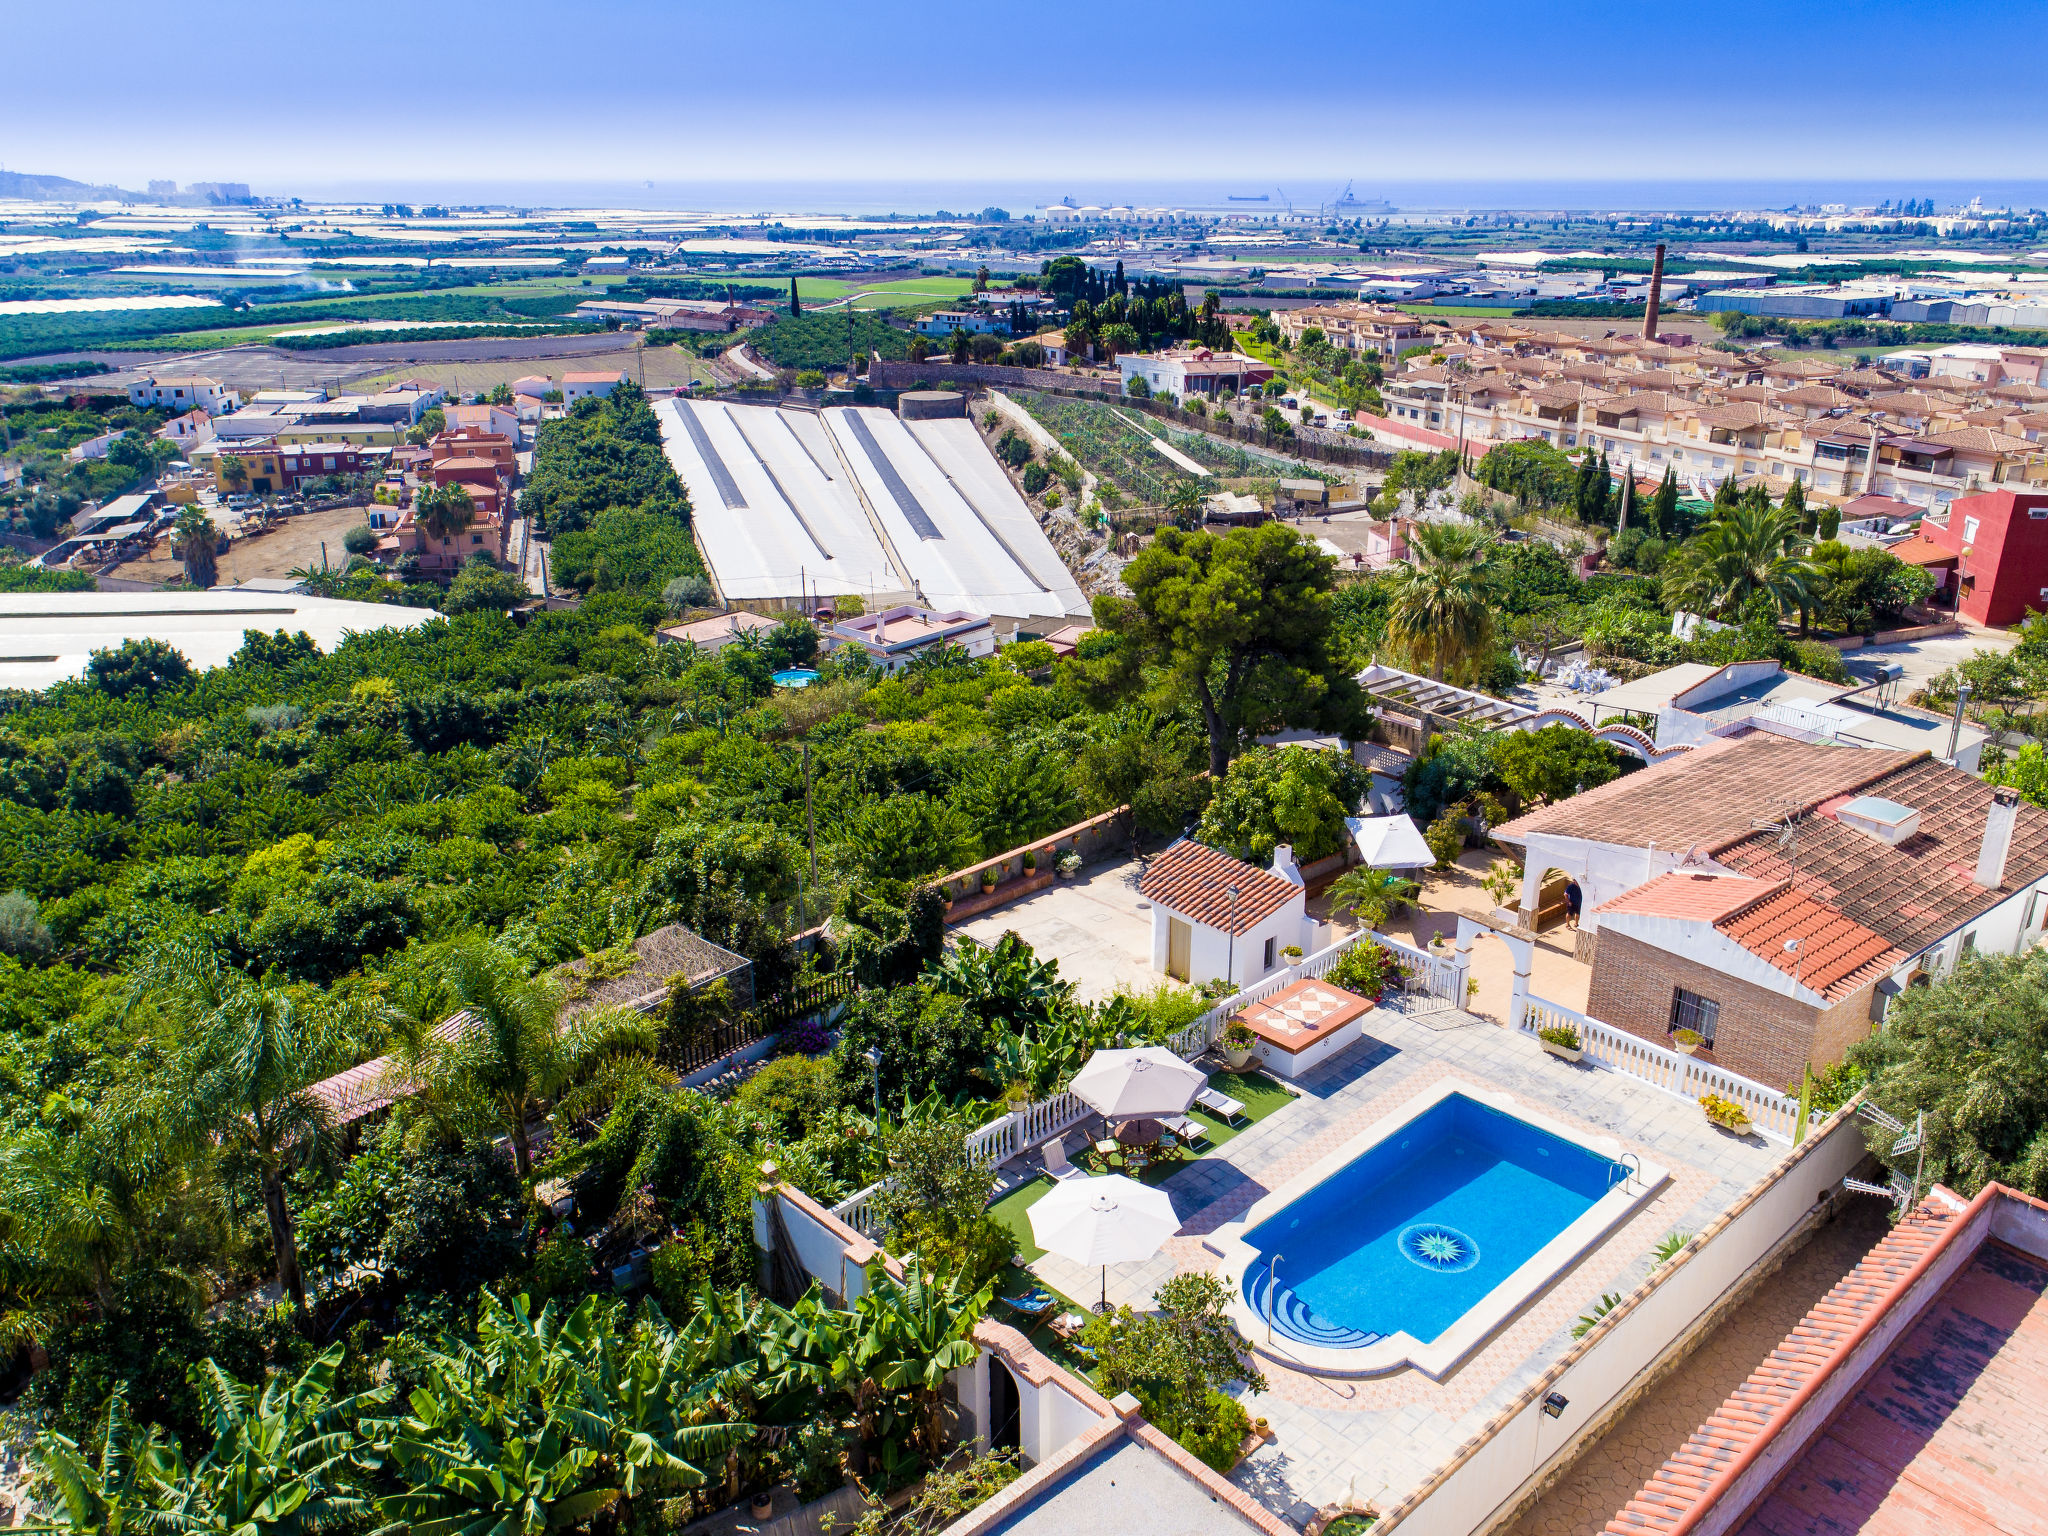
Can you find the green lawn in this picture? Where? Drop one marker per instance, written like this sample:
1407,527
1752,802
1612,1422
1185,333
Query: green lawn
1486,311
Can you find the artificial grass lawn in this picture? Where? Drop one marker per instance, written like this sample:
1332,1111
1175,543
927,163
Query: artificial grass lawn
1259,1094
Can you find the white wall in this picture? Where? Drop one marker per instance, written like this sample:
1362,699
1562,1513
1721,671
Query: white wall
1242,963
1493,1476
1603,870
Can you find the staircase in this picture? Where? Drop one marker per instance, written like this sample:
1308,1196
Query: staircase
1293,1319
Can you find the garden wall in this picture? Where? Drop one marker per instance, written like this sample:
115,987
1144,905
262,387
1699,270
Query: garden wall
1523,1448
1092,839
883,374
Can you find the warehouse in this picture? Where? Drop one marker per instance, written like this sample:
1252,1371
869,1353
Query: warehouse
792,506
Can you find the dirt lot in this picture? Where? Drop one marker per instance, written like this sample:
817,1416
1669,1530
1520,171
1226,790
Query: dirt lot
665,368
293,543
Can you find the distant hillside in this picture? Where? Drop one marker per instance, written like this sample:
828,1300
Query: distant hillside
18,184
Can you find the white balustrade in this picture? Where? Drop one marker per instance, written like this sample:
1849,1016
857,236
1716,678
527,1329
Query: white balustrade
858,1210
1775,1114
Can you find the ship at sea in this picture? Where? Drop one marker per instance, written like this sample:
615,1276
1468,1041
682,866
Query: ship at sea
1251,197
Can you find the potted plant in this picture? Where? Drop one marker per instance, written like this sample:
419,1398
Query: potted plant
988,880
1686,1041
1561,1041
1725,1113
1238,1041
1069,865
763,1505
1030,861
1291,953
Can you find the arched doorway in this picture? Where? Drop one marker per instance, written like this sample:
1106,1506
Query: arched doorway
1005,1408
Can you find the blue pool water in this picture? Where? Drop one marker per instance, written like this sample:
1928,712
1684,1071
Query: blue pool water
1415,1230
794,677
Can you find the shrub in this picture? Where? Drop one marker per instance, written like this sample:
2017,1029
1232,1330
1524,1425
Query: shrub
1036,478
1724,1111
1566,1035
23,933
792,1092
1446,836
360,540
810,378
686,592
1361,969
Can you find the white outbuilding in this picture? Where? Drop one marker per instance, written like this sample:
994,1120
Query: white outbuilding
1217,916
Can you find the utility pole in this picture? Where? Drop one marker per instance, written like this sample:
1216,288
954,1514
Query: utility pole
810,824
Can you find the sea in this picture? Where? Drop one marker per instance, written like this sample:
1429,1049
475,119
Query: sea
1361,199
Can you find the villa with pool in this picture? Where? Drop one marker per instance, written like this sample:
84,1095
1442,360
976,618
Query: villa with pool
1456,1251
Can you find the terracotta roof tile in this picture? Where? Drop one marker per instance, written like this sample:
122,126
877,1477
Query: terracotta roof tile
1670,1494
1682,894
1194,880
1836,956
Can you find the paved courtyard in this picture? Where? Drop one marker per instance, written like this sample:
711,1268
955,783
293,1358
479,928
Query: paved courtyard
1097,925
1379,1437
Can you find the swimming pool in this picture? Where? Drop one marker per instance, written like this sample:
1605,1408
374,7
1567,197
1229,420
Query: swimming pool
794,677
1413,1242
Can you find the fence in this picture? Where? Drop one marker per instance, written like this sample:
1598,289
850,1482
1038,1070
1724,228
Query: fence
1775,1114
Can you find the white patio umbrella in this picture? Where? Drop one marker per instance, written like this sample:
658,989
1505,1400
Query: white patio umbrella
1389,842
1137,1084
1105,1221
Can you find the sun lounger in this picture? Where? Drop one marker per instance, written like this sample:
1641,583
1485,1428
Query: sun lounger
1188,1129
1033,1303
1222,1105
1056,1162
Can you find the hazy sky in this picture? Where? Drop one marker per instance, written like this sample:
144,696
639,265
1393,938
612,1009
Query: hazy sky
290,96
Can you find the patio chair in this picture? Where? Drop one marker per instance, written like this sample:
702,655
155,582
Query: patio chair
1189,1130
1221,1105
1034,1303
1056,1162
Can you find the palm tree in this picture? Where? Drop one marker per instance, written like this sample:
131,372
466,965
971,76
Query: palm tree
245,1077
197,542
508,1055
1372,895
1747,551
1184,502
1442,611
234,473
443,511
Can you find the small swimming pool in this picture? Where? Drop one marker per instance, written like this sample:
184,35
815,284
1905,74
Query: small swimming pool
1413,1242
793,677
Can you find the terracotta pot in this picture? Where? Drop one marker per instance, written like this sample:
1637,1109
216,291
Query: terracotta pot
763,1506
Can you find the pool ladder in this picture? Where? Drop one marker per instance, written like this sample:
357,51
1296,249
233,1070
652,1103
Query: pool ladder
1630,1167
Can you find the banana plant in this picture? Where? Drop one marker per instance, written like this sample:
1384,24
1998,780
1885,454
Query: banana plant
112,1498
480,1484
282,1462
908,1338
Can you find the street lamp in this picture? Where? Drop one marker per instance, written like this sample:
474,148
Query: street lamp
1230,964
873,1058
1955,731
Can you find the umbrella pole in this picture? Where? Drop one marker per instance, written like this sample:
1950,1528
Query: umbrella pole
1103,1305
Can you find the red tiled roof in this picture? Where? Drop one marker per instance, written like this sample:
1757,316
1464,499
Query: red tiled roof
1709,796
1810,1350
1919,890
1919,551
1836,954
1194,880
1682,894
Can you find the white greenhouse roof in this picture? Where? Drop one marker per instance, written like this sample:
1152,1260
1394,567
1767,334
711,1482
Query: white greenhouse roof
47,637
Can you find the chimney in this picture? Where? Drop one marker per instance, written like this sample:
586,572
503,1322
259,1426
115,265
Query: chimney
1998,825
1285,867
1656,295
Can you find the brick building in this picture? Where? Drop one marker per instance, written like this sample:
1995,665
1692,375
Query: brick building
1771,977
1774,895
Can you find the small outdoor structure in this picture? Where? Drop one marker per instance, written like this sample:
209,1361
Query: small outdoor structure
1389,842
1302,1026
1217,916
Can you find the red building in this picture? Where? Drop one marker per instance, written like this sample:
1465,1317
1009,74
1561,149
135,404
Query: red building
1991,552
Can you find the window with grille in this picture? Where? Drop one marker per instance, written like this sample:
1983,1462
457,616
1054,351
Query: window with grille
1691,1011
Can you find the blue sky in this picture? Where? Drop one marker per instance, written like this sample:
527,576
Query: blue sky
290,96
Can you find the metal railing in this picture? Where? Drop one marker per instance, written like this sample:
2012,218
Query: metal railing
1775,1114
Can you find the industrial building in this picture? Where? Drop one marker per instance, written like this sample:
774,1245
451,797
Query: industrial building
794,506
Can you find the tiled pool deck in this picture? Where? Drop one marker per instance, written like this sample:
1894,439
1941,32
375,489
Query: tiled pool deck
1379,1437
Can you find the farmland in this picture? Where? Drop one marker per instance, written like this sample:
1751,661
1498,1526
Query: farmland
1102,441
